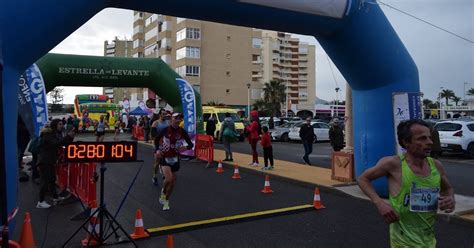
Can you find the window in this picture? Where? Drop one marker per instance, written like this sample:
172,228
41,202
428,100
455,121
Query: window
188,52
471,127
138,29
188,33
137,43
193,33
192,70
181,35
151,49
181,70
151,19
138,16
166,26
448,126
256,43
302,49
188,70
228,56
151,33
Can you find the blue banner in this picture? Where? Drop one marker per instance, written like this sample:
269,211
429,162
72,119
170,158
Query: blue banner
33,92
188,100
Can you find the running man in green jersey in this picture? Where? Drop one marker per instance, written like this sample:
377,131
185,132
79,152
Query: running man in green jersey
418,187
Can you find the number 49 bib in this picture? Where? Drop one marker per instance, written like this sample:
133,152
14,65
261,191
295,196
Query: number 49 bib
423,199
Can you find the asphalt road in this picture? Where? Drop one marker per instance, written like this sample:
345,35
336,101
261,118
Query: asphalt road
460,170
202,194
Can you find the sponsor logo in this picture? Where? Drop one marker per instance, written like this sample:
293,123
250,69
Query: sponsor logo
189,105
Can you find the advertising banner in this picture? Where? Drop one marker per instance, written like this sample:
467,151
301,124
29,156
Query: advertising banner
188,100
406,106
33,106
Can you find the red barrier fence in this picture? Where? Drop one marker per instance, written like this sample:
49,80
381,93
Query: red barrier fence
79,179
204,149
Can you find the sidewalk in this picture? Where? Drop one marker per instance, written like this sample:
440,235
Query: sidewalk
317,176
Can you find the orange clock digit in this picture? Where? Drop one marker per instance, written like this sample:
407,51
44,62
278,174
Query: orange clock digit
91,151
117,151
82,150
100,150
71,151
129,149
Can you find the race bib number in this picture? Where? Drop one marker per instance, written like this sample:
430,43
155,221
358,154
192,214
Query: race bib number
424,199
171,160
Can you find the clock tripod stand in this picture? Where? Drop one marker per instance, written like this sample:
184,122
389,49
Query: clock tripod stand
100,237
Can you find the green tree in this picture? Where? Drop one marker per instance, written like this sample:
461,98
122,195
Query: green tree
263,107
427,103
447,94
456,99
56,95
470,92
274,94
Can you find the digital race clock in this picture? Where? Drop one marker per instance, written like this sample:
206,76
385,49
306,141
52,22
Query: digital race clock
78,152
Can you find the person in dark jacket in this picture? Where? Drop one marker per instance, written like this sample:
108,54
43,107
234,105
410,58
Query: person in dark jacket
336,136
226,140
211,126
307,137
51,140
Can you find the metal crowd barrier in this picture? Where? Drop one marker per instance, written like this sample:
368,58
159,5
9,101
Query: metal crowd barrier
204,149
79,179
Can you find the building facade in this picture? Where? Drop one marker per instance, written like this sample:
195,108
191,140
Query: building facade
118,48
228,64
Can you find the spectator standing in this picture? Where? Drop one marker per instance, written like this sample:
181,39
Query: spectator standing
147,128
51,140
266,143
227,135
252,130
336,136
307,137
271,123
211,126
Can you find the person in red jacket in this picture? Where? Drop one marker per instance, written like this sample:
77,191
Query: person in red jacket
266,142
252,129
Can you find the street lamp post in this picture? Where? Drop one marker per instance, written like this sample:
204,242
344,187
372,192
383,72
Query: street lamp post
248,99
286,96
337,101
440,110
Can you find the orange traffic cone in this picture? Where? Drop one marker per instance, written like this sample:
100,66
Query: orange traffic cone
92,238
317,199
266,189
236,172
219,167
139,229
27,239
169,241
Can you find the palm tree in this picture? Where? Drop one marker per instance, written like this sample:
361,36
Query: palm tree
274,94
427,103
470,92
263,107
447,94
456,99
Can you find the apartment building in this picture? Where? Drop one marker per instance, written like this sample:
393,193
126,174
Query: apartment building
118,48
228,64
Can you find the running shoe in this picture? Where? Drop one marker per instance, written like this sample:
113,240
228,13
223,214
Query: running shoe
43,204
271,168
162,198
255,164
265,168
166,205
155,181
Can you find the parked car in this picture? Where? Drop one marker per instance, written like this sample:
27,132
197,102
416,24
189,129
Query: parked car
321,131
281,132
457,136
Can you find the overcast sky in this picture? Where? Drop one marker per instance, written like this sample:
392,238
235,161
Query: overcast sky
443,60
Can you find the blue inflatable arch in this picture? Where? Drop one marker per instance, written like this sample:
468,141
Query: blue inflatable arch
354,33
